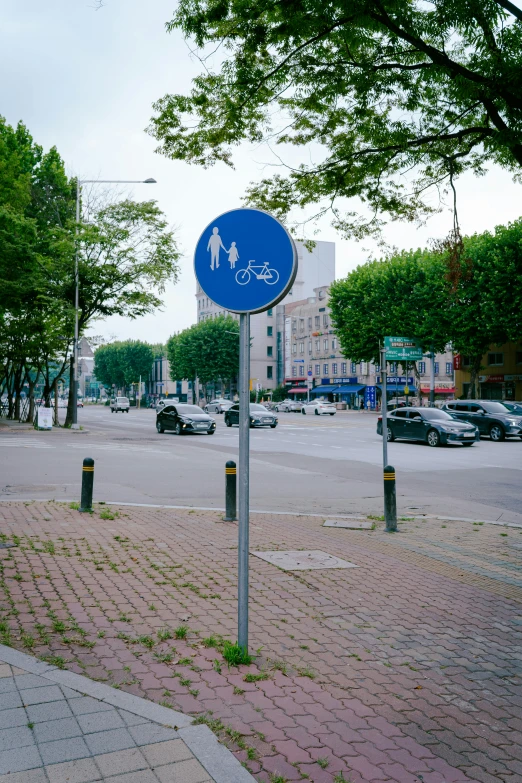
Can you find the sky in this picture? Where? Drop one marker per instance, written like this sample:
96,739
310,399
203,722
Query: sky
84,80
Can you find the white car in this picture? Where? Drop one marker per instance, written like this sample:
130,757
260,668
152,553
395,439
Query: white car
319,407
219,405
120,404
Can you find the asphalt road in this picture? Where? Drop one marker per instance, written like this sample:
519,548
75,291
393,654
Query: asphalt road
323,465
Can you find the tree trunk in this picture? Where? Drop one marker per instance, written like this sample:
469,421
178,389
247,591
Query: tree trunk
473,388
69,416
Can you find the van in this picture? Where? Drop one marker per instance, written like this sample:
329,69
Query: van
120,404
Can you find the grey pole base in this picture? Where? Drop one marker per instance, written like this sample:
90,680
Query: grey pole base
7,545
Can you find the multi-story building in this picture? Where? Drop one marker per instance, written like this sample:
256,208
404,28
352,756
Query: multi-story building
500,376
311,357
316,268
161,385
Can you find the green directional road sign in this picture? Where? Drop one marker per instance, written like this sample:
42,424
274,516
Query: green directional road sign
406,348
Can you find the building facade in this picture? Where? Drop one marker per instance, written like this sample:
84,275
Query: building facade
316,267
160,384
311,362
500,376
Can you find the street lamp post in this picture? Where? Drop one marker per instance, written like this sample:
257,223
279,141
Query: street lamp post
79,184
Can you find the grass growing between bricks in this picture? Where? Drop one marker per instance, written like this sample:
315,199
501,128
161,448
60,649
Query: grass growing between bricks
148,605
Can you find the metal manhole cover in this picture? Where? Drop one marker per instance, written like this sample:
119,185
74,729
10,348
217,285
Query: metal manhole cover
303,561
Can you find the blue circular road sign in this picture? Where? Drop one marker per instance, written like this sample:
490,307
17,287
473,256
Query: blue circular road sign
245,261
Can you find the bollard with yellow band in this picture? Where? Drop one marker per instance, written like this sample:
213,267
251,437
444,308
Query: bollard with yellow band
87,484
390,499
230,491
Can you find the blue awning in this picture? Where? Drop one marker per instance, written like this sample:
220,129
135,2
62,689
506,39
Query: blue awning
352,388
323,389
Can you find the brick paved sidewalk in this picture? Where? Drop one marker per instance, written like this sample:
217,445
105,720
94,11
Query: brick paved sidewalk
403,669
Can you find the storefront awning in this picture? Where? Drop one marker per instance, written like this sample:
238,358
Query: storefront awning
297,390
352,388
323,390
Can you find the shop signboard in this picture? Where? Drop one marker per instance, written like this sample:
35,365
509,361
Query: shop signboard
45,418
344,380
370,396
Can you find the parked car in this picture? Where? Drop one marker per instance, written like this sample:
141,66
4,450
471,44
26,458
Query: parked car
79,404
183,418
491,418
513,407
430,425
259,416
289,406
120,404
219,405
319,407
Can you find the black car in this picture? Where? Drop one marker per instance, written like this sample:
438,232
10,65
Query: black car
491,418
431,425
184,418
259,416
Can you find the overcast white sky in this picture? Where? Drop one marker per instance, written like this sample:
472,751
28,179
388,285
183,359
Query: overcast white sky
85,80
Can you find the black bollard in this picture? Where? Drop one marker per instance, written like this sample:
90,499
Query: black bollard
390,499
87,484
230,491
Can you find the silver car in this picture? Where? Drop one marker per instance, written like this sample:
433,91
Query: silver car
289,406
218,406
319,408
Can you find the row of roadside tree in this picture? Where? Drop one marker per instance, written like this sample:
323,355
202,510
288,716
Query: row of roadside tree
126,254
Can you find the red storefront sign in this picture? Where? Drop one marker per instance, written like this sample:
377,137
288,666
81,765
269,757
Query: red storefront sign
457,362
492,379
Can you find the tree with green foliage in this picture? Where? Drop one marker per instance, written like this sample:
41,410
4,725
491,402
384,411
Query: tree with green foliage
390,100
122,363
468,294
208,350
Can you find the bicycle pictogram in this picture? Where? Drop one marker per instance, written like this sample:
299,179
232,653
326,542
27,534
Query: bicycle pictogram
244,276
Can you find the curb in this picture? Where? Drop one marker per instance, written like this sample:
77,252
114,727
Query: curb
219,762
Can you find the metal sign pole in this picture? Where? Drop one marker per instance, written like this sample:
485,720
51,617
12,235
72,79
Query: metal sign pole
384,410
244,468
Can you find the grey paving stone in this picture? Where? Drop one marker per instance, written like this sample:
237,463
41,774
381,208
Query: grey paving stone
151,732
11,700
52,710
147,709
19,759
27,663
11,718
100,721
70,693
5,670
24,681
78,771
16,738
107,741
131,719
145,776
86,704
221,765
29,776
121,761
57,729
41,695
166,752
7,684
64,750
183,772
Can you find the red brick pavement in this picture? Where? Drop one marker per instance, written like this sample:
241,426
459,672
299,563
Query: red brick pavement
402,669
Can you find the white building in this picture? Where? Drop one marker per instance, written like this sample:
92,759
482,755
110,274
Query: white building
315,268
